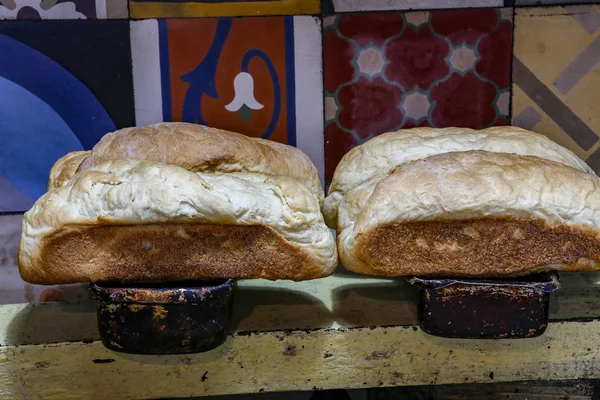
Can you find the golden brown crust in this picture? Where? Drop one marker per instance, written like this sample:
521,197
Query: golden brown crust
168,252
199,148
477,248
64,168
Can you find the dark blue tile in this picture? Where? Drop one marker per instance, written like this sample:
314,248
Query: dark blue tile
63,85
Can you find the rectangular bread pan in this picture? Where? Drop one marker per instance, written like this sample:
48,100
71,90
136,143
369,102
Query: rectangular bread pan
164,318
485,309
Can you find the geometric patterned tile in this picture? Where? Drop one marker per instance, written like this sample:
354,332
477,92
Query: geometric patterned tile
390,70
63,9
220,8
12,288
63,85
381,5
556,76
257,76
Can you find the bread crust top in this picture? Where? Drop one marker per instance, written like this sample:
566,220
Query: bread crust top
198,148
65,168
382,154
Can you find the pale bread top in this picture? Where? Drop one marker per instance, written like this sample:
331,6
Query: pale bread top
472,184
140,192
198,148
64,168
384,152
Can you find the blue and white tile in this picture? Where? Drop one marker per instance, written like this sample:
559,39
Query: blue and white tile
65,85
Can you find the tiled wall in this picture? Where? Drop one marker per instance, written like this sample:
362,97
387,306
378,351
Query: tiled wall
323,76
390,70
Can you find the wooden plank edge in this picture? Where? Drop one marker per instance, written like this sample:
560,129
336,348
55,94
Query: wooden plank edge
299,360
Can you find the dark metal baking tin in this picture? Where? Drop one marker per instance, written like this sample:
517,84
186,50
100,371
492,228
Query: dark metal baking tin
485,309
186,317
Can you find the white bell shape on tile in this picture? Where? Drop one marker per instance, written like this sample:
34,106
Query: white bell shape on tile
243,86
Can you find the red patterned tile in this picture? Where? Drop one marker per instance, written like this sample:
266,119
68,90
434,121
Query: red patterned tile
411,124
464,101
464,25
369,106
502,122
440,68
495,53
337,143
416,58
370,28
340,54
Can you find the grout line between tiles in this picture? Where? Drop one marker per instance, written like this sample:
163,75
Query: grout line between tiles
512,60
416,9
323,12
321,18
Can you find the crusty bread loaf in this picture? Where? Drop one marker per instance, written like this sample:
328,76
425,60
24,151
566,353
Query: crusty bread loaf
472,214
198,148
133,220
64,168
383,153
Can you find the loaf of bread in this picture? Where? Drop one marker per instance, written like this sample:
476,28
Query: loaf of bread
472,214
383,153
198,148
136,221
64,168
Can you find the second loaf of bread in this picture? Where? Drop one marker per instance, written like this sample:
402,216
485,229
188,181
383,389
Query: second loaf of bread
472,214
385,152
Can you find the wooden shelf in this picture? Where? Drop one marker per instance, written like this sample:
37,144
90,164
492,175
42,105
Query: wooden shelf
345,331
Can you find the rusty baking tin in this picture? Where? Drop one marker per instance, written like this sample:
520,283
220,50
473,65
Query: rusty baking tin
187,317
485,309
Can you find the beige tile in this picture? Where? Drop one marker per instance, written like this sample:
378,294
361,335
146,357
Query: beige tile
556,75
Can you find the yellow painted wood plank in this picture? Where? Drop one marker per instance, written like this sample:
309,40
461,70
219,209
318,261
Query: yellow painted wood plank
250,8
344,300
47,323
278,361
